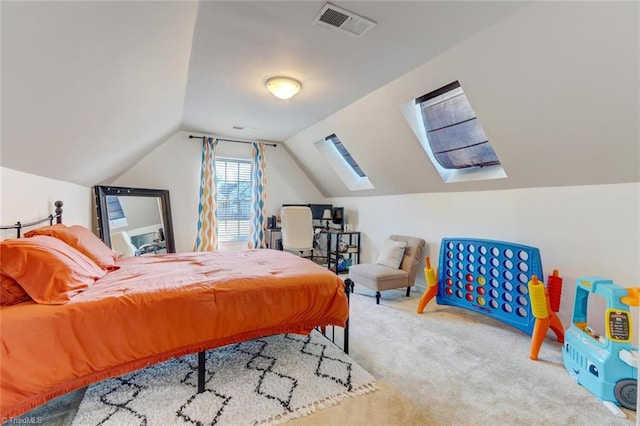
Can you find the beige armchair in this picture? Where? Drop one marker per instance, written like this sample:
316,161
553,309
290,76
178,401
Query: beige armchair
396,266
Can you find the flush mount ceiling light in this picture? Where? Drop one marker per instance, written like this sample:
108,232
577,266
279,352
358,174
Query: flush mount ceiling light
283,87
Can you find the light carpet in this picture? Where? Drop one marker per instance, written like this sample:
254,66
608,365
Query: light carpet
264,381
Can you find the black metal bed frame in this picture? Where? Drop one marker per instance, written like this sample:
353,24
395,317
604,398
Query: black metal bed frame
19,225
348,289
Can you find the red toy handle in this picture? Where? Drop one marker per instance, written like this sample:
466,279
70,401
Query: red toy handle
554,288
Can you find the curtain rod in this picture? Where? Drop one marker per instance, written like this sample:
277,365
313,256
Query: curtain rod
231,140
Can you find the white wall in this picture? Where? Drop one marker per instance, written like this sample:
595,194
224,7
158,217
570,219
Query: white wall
580,230
175,165
26,197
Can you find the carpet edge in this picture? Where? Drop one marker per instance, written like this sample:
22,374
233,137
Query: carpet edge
329,401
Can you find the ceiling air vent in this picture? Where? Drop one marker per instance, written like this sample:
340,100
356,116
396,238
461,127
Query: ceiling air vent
331,16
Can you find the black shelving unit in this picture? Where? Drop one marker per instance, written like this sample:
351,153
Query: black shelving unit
348,251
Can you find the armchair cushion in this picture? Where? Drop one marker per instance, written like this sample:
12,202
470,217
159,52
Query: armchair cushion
379,277
392,253
412,254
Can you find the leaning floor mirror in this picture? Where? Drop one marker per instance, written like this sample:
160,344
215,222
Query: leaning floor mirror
135,221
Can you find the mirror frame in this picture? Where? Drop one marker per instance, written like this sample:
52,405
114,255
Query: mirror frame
101,192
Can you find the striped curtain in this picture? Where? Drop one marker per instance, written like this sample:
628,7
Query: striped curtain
257,236
207,237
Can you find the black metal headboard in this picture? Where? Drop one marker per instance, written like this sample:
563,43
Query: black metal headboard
19,225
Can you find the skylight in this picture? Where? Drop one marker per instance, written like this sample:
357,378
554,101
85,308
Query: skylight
346,155
343,163
117,218
455,135
451,135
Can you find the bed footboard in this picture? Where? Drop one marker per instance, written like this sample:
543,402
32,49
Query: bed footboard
348,289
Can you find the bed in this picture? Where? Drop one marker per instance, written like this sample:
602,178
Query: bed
148,309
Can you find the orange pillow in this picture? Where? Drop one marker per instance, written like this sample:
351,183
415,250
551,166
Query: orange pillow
83,240
49,270
10,292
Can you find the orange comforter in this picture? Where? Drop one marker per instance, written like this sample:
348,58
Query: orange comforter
155,308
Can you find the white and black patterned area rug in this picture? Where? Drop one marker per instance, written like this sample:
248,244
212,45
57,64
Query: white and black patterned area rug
264,381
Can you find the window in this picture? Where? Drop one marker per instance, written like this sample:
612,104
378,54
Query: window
451,135
117,218
233,199
343,163
455,135
342,150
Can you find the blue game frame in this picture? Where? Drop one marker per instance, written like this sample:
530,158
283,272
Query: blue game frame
489,277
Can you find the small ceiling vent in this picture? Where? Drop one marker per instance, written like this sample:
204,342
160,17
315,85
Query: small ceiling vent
331,16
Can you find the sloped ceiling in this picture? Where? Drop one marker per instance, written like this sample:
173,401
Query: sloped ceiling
556,88
89,88
237,46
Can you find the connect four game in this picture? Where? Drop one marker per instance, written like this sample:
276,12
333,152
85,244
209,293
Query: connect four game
489,277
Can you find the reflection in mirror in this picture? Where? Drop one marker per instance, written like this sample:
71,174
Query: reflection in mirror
135,221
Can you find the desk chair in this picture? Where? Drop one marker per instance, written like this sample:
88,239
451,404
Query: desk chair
121,244
297,229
